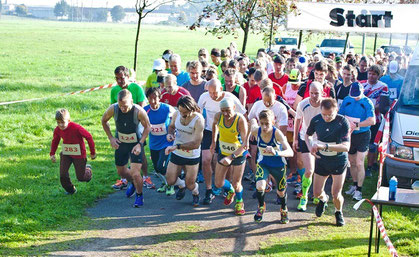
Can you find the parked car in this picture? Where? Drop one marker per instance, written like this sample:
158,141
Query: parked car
288,42
334,45
393,48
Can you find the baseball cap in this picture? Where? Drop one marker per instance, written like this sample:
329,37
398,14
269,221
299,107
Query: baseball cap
338,59
294,76
393,67
356,89
159,64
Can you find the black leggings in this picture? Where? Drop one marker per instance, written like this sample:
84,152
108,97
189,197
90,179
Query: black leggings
160,160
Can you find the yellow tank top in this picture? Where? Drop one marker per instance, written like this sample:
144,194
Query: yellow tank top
229,139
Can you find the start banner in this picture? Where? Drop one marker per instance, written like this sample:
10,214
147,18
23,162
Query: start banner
365,18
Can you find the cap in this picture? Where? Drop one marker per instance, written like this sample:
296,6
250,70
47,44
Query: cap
279,59
393,67
302,59
159,64
338,59
295,76
226,102
166,57
356,89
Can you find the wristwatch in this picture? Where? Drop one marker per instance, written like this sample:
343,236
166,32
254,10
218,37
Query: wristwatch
178,146
233,156
357,124
326,147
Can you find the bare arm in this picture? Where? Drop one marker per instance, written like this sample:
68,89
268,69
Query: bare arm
105,118
215,132
286,148
243,129
242,96
143,118
171,128
298,99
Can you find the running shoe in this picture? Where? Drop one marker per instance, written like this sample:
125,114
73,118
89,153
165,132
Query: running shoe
368,172
120,184
170,190
249,176
297,188
162,188
239,209
216,191
72,193
225,193
284,217
268,187
130,190
321,207
139,201
229,198
357,196
339,219
259,213
148,183
200,177
292,178
180,193
302,206
315,200
299,195
195,200
209,196
351,190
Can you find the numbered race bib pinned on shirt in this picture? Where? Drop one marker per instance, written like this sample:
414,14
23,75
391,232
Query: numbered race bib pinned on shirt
127,138
158,129
290,124
71,149
393,93
328,152
228,148
184,153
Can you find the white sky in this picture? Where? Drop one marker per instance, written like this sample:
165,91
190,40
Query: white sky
87,3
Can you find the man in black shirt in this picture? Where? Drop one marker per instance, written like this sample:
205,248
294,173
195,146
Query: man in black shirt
330,150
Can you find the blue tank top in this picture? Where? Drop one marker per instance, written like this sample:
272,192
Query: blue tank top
160,120
269,159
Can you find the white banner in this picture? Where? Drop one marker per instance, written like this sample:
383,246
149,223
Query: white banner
374,18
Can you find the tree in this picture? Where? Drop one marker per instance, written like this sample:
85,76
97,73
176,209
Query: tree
143,8
100,15
21,10
234,15
117,13
61,8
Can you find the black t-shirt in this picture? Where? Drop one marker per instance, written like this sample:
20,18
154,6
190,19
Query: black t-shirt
342,91
362,75
334,132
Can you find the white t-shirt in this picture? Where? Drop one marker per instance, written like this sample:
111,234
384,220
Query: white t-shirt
279,110
306,112
211,107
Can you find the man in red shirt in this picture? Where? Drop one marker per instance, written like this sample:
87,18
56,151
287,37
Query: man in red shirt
172,92
252,89
73,150
279,77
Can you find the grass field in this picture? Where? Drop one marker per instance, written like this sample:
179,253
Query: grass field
46,59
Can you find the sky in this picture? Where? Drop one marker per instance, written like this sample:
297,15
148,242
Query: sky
87,3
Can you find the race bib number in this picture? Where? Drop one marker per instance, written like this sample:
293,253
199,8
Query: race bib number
264,152
290,125
185,153
393,93
353,120
127,138
328,152
158,129
228,148
71,149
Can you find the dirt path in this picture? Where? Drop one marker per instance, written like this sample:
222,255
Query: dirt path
167,227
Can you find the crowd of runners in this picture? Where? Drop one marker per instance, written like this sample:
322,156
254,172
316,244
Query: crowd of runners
293,118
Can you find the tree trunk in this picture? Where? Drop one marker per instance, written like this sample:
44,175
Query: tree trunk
136,40
271,32
246,34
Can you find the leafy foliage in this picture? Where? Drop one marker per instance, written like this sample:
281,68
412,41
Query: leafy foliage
117,13
61,8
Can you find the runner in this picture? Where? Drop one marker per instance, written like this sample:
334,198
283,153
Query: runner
159,115
209,102
342,89
73,150
232,128
125,82
306,110
196,85
175,65
270,141
172,92
279,77
151,81
330,151
188,124
359,111
127,143
231,86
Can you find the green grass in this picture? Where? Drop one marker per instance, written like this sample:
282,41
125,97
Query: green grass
47,59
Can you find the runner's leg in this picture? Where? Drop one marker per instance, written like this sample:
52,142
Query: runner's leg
65,163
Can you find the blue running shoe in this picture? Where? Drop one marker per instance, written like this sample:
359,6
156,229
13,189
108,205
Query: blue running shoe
216,191
200,177
130,190
139,201
292,179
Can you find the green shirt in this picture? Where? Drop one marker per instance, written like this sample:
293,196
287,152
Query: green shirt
136,91
151,81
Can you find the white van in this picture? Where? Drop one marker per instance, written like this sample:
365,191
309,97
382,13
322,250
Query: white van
404,143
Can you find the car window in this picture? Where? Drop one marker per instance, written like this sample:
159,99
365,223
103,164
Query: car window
332,43
410,90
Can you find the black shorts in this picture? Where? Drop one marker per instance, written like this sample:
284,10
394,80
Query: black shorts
123,154
360,142
253,142
236,161
181,161
279,174
302,146
207,140
327,167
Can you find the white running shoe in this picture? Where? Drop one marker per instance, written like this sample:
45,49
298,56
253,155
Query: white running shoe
357,196
351,190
